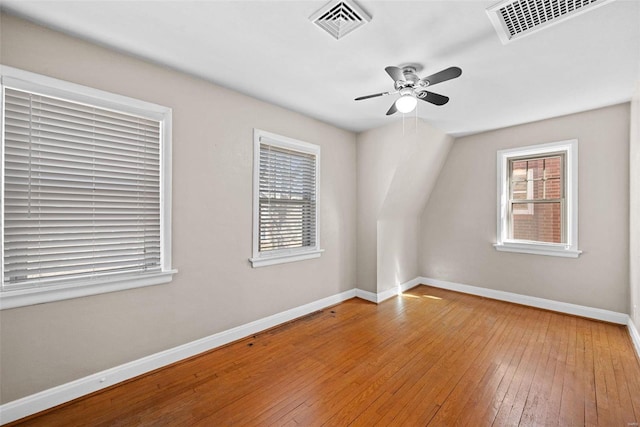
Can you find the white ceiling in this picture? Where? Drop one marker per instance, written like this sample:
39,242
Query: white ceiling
270,50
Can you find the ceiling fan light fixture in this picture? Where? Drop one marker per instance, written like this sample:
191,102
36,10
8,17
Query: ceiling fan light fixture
406,103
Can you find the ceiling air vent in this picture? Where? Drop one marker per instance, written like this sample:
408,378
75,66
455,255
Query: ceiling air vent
515,19
339,18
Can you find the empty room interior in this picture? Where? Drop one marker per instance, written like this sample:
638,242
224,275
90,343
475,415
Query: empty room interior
261,213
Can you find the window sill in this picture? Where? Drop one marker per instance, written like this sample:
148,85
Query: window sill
538,249
282,258
31,296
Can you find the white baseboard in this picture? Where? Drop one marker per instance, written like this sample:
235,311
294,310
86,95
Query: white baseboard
366,295
547,304
635,336
388,293
46,399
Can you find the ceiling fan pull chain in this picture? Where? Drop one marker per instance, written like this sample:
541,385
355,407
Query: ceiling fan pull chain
402,124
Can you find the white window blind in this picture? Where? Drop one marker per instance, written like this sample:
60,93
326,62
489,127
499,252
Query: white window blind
286,188
81,191
287,198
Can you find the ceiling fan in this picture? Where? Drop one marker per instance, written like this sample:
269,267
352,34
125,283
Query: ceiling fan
411,87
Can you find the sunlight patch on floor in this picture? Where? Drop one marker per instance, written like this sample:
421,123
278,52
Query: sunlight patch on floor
419,296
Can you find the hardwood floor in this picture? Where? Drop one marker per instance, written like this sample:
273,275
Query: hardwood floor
430,357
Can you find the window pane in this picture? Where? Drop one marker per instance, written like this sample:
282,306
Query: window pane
520,190
552,167
287,199
541,222
536,179
553,175
536,166
519,170
552,189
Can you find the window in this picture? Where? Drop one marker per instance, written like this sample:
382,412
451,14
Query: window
285,188
538,199
85,191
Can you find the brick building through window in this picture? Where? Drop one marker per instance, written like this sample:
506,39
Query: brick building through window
536,198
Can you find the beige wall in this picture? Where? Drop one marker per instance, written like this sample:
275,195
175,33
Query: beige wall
634,201
215,289
396,252
459,221
396,172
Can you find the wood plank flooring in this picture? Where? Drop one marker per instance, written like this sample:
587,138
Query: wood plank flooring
430,357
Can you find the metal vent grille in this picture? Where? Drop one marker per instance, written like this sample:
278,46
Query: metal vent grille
339,18
514,19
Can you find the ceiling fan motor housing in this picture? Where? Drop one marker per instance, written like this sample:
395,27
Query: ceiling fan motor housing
410,75
412,84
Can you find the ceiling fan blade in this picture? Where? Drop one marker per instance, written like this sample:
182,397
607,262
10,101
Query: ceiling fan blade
393,109
395,73
434,98
360,98
443,76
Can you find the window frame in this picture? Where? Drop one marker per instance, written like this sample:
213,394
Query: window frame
569,208
279,256
75,287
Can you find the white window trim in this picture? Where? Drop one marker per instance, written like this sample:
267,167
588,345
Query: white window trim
80,287
568,249
285,255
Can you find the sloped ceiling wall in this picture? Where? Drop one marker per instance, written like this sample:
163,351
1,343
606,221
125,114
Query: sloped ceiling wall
397,167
